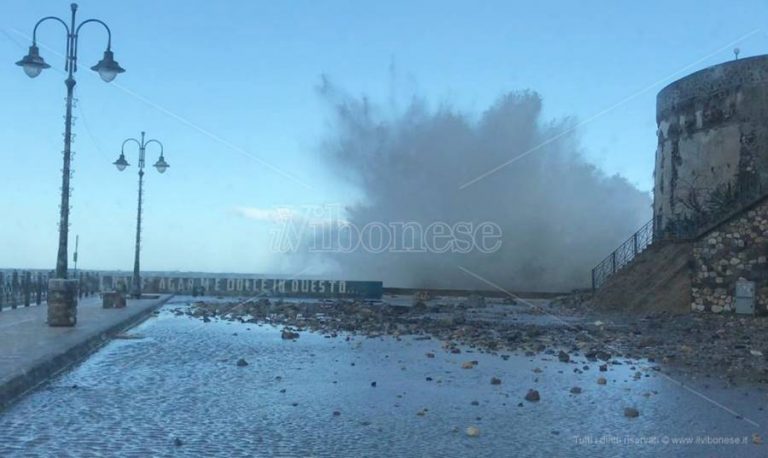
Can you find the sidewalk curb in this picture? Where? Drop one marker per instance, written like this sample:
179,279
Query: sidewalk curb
15,389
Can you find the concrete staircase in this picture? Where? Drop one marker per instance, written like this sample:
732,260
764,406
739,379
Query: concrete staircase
658,279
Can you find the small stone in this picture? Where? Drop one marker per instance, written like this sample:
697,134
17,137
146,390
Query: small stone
475,403
373,384
605,356
421,413
242,362
575,390
430,355
467,365
756,439
429,379
287,334
631,412
336,413
563,357
532,396
603,368
601,381
177,442
473,431
495,381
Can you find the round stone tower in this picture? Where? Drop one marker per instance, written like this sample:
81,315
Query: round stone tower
713,144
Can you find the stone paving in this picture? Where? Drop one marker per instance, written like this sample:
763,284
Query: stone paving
31,351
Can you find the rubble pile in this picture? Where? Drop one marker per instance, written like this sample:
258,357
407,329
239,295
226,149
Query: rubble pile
725,347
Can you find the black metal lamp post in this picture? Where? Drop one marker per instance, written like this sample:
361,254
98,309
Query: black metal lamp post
62,299
161,167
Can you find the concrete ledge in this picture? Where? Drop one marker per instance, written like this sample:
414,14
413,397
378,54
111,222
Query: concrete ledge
44,352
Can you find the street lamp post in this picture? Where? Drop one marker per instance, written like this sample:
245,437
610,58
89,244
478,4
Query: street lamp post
161,167
62,298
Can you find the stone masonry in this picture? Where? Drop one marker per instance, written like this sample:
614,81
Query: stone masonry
712,139
62,302
736,249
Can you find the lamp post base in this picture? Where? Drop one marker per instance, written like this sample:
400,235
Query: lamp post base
62,302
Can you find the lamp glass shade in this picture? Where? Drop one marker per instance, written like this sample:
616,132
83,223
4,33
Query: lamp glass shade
107,68
121,163
107,75
161,165
32,63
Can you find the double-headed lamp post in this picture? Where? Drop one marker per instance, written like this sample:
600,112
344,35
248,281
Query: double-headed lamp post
62,298
161,167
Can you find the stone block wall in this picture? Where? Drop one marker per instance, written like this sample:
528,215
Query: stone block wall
736,249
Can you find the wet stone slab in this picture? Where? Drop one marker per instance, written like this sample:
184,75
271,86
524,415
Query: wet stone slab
178,390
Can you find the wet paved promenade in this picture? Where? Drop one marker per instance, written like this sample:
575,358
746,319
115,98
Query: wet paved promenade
32,351
177,390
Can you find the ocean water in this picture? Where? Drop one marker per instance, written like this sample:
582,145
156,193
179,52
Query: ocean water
180,381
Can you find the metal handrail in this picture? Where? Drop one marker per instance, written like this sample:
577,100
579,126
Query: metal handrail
623,255
684,228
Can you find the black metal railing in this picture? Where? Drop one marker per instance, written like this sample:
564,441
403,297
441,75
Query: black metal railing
623,255
720,204
22,288
730,201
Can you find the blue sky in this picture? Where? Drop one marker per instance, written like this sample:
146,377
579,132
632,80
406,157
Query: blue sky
229,87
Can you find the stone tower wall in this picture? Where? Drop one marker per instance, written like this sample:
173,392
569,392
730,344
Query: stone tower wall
712,140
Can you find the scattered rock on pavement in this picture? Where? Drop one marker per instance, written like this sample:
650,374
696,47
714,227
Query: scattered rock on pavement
532,396
631,412
735,345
